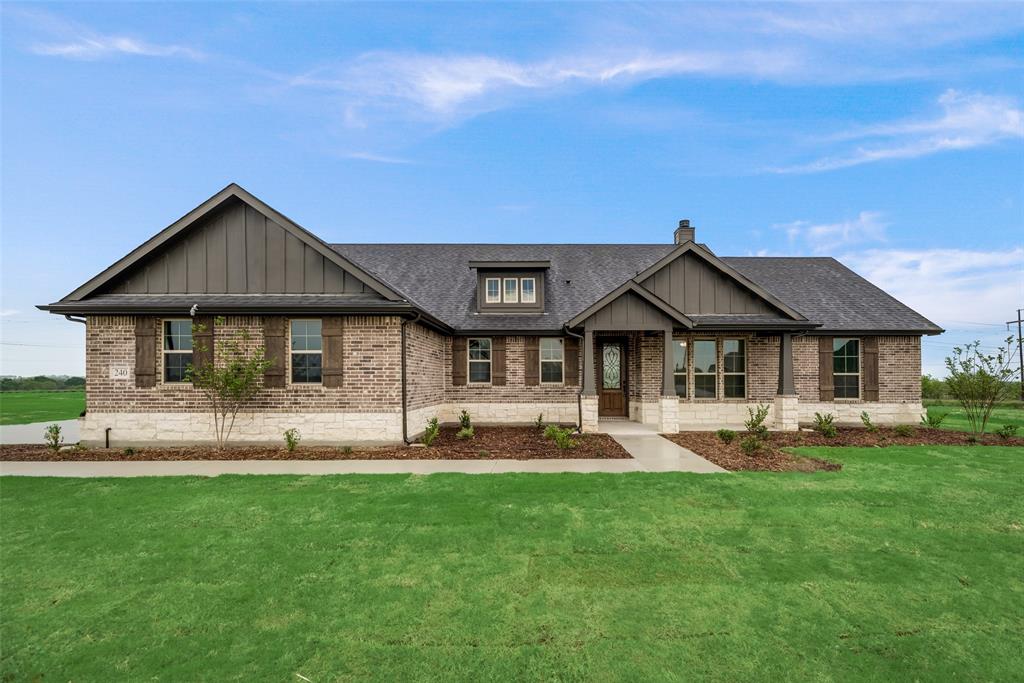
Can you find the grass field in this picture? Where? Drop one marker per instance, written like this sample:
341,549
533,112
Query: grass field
24,407
957,420
906,565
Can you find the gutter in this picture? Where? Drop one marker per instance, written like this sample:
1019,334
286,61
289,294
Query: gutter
75,320
405,410
579,394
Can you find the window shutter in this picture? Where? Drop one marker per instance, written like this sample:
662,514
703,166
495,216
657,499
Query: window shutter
332,351
498,361
202,341
532,361
274,350
870,369
826,385
458,361
572,361
145,352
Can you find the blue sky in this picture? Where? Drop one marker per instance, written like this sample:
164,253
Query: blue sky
887,135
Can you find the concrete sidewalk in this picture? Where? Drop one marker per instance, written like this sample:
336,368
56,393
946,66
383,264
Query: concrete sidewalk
653,452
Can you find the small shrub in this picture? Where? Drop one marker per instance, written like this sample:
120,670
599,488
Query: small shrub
346,450
751,445
903,430
755,425
866,421
129,451
54,439
725,435
464,433
825,425
561,436
933,420
484,454
431,432
291,439
539,422
464,421
972,439
1007,431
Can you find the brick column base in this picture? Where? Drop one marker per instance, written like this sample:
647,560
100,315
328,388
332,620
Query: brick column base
669,423
589,414
787,413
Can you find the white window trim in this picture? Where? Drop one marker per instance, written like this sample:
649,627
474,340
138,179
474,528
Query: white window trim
561,361
487,293
291,352
165,352
835,374
716,374
686,371
522,290
726,373
489,361
504,290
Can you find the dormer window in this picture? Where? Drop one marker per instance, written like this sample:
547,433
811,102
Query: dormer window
492,293
529,290
511,295
510,286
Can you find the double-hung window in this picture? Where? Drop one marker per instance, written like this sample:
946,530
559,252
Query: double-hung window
177,350
492,291
734,362
307,351
552,360
511,295
679,369
846,367
479,360
705,369
528,288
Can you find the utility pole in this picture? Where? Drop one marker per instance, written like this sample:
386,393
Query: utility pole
1020,349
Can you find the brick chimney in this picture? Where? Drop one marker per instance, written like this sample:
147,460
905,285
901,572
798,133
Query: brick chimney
684,233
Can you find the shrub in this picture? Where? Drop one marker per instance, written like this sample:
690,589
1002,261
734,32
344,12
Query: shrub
431,432
1007,431
751,445
484,454
129,451
825,425
755,425
291,438
866,421
54,439
464,421
978,380
561,436
725,435
464,433
346,449
539,422
903,430
933,420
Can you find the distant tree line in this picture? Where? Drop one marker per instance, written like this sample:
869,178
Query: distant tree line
935,388
42,383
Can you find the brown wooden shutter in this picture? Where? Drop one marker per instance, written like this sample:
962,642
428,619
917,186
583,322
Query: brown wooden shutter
331,332
826,384
532,361
145,352
458,361
870,369
274,350
572,361
498,361
202,341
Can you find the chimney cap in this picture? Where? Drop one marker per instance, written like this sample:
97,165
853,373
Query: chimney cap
684,223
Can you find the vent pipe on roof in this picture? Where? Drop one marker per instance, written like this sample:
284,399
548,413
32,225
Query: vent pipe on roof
684,233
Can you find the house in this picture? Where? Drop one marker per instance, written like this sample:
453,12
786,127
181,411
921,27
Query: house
369,341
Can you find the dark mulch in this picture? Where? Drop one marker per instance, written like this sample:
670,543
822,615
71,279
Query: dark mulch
773,459
515,443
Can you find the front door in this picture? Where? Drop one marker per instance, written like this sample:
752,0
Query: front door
612,378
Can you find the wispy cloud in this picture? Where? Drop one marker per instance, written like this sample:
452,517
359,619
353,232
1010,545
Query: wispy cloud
868,226
8,312
377,158
95,46
966,121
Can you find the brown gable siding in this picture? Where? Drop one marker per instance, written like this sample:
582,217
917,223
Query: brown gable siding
691,285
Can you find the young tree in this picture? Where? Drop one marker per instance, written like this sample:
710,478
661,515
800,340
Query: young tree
231,380
979,380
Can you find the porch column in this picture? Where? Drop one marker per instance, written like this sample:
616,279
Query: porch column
669,403
588,397
787,404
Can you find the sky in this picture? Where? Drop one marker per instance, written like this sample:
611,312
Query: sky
888,135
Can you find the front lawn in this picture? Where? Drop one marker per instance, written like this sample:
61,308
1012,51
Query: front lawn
24,407
905,565
957,420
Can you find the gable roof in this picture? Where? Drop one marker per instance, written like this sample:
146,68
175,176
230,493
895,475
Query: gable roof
634,288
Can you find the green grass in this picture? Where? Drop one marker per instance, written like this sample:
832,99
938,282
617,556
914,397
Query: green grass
24,407
956,420
906,565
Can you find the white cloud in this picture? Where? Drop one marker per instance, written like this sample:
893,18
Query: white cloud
7,312
96,46
868,226
967,121
378,158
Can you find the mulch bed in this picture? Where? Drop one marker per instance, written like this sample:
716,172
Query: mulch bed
514,443
773,459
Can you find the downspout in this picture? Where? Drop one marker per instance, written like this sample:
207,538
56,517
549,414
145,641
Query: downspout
75,320
579,394
405,425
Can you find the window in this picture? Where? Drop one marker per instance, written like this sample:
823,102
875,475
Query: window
552,360
479,360
679,371
177,350
528,285
846,367
307,351
511,290
705,369
493,290
734,360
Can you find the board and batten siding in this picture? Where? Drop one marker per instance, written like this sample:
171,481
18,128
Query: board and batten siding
628,312
238,250
691,285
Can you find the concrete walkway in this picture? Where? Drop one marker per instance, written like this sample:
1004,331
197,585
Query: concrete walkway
655,453
33,433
